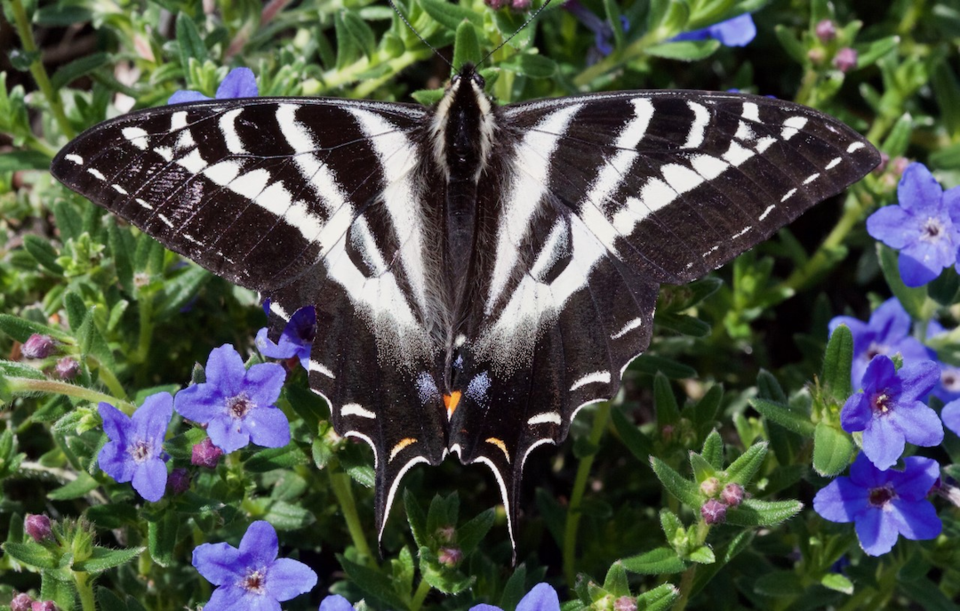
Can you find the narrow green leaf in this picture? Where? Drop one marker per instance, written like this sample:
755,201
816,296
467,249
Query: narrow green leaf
706,409
670,524
289,516
927,594
837,362
713,449
108,601
190,41
470,534
659,598
514,589
724,555
897,141
416,518
24,160
77,68
838,582
702,555
104,558
372,582
768,387
347,48
76,309
665,402
754,512
869,53
683,324
19,370
180,290
832,449
616,582
290,455
69,221
361,33
677,485
613,18
660,561
466,49
647,363
450,15
742,470
75,489
687,50
121,256
528,64
92,342
31,554
43,252
162,536
631,435
702,469
788,40
785,416
779,584
62,15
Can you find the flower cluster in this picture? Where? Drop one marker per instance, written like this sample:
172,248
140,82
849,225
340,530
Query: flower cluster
924,226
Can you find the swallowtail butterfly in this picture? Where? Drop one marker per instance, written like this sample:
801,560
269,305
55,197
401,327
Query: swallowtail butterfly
480,273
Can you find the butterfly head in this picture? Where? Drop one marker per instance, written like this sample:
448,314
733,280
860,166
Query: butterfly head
463,125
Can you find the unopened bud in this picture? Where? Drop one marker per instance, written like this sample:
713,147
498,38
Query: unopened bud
21,602
625,603
38,346
446,534
826,30
179,481
710,486
520,5
205,454
38,527
845,60
816,55
450,556
496,4
714,512
46,605
67,368
732,494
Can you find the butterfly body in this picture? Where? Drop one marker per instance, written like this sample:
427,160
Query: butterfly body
480,273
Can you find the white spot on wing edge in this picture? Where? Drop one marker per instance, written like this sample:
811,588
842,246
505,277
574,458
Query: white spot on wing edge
767,211
751,112
355,409
178,120
698,128
137,136
834,163
229,130
77,159
119,189
855,147
788,195
811,178
602,377
321,369
545,418
96,174
630,326
144,204
277,309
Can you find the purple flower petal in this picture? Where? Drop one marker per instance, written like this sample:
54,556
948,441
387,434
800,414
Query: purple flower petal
200,403
919,424
914,271
114,460
541,598
883,443
915,520
218,563
918,379
865,475
887,225
288,578
227,434
918,189
116,424
877,535
225,370
227,599
736,32
951,416
485,607
268,427
856,414
916,480
183,96
263,383
239,83
260,543
150,479
152,418
335,602
840,500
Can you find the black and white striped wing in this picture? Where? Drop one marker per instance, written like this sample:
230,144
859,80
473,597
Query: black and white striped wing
604,197
310,202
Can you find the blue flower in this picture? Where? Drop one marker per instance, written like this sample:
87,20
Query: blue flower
251,577
951,416
239,83
602,30
335,602
736,32
237,404
883,504
887,332
924,227
541,598
135,450
296,339
888,410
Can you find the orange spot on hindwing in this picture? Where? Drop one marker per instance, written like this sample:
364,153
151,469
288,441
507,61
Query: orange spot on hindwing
451,402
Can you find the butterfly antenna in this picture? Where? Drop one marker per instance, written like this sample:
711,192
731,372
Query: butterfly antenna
403,17
533,16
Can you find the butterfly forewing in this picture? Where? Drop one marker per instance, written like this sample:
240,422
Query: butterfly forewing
581,208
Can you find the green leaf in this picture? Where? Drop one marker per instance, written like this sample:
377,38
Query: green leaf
706,409
19,370
62,15
686,50
528,64
702,469
838,582
832,449
450,15
44,252
75,489
785,416
659,598
898,139
466,49
779,584
31,554
768,387
114,515
647,363
702,555
470,534
190,41
788,40
360,32
659,561
677,485
927,594
162,536
76,309
69,221
742,470
372,582
670,523
665,402
121,256
724,555
616,582
290,455
416,518
180,290
837,363
631,436
104,558
77,68
108,601
868,54
713,449
754,512
92,342
24,160
289,516
683,324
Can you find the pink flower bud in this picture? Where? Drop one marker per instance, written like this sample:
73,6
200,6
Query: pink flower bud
446,534
21,602
520,5
450,556
714,512
826,30
710,486
845,60
46,605
625,603
205,454
496,4
37,526
67,368
179,481
38,346
732,494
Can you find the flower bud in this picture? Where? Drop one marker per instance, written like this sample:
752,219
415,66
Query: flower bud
732,494
205,454
816,55
446,534
179,481
826,30
714,512
37,526
450,556
496,4
21,602
38,346
67,368
710,486
845,60
520,5
46,605
625,603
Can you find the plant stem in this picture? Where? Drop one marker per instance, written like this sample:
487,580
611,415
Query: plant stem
423,588
36,67
30,385
686,584
340,482
107,377
576,496
85,589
